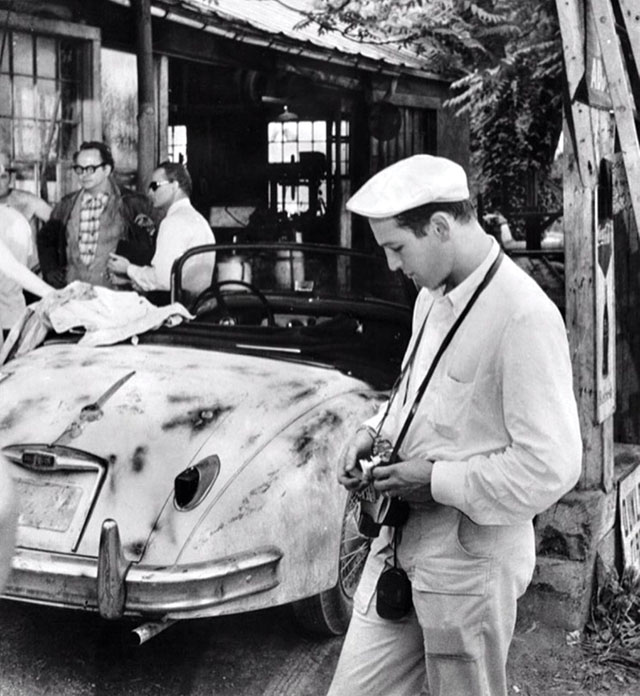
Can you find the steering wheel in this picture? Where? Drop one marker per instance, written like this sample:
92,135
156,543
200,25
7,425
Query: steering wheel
214,291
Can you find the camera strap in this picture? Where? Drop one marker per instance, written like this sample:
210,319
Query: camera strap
440,352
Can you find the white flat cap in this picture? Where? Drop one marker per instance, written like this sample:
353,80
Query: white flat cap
409,183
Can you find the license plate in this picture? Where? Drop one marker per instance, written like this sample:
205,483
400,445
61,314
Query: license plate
47,505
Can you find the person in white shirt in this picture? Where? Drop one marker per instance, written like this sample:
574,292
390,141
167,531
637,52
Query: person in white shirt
493,440
31,206
16,248
182,228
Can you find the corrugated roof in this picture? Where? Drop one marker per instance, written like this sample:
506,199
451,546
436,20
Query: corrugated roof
277,23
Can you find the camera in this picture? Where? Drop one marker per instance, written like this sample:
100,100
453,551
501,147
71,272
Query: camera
377,510
387,512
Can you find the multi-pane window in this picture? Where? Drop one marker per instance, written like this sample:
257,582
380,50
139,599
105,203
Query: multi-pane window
39,112
305,145
341,144
177,144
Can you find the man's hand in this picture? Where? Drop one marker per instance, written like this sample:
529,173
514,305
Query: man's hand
118,264
119,281
410,480
56,277
349,470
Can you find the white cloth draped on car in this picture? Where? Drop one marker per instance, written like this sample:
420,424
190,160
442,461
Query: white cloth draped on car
107,316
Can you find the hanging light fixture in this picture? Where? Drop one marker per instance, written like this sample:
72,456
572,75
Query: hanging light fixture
287,115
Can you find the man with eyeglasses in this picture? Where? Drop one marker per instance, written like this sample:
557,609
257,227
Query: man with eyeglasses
99,218
181,229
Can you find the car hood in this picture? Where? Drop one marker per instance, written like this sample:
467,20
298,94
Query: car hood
148,412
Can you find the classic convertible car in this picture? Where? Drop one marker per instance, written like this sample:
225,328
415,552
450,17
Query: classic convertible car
189,470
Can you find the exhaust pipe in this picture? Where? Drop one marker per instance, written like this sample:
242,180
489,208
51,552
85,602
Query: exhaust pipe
148,630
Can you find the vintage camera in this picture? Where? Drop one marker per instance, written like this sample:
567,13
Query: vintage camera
377,510
393,594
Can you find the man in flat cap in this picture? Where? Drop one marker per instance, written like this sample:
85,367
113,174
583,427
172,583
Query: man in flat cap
486,428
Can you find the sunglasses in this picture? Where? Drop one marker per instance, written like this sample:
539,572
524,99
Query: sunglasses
89,169
155,185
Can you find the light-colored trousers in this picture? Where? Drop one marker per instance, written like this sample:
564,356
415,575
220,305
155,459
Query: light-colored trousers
465,580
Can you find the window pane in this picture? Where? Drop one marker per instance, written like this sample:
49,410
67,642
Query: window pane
5,134
24,97
68,59
46,58
5,95
305,130
319,146
290,152
274,133
275,152
48,139
289,132
22,53
68,141
26,140
319,130
69,101
47,99
344,159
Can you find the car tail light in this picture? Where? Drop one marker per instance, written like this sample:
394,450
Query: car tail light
193,484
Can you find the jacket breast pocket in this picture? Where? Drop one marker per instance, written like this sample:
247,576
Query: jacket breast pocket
448,406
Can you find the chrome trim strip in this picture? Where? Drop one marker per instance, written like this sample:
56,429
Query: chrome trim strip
71,581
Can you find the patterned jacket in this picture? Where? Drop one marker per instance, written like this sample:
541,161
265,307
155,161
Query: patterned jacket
126,227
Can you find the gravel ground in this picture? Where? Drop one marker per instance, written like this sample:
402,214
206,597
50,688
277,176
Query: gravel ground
47,652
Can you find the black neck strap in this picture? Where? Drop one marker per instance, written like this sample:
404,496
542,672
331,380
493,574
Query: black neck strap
443,346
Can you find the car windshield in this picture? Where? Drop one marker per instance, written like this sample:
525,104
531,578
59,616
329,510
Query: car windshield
289,272
317,303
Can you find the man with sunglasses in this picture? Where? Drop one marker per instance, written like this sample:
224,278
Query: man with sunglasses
181,229
99,218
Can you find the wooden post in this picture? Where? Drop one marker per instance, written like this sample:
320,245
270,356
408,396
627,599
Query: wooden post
146,97
162,100
589,137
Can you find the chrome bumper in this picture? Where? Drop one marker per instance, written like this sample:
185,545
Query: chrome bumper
173,591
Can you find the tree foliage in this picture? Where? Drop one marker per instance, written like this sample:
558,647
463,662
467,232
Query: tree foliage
504,57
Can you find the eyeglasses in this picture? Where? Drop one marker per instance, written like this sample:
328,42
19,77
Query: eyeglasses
89,169
155,185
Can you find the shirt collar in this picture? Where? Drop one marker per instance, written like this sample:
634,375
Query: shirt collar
101,196
458,297
180,203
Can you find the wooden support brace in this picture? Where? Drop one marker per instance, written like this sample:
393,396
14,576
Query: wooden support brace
572,26
631,19
623,104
